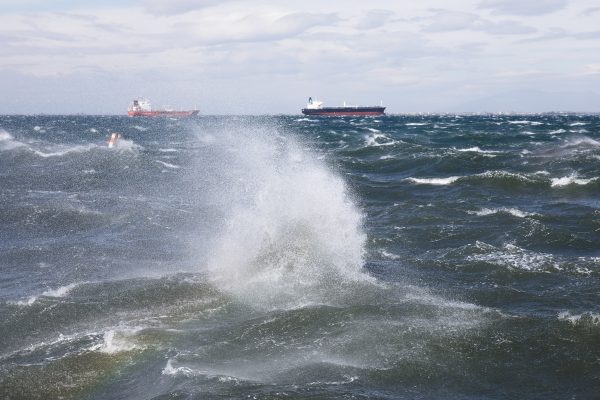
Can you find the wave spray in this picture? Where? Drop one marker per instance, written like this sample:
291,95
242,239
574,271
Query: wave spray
292,235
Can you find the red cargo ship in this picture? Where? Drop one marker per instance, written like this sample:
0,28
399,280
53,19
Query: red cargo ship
141,107
315,107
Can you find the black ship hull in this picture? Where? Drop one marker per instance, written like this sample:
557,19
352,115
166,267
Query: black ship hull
344,111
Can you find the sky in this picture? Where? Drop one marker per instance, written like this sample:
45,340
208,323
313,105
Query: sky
268,57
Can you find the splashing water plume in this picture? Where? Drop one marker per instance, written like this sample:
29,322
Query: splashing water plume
293,235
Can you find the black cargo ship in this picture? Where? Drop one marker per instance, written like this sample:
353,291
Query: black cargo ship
315,107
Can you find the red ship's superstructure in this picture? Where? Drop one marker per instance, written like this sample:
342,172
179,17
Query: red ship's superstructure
141,107
315,107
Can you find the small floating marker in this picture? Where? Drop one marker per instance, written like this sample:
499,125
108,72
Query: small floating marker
113,139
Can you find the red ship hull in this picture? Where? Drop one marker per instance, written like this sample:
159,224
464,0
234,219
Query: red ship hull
162,113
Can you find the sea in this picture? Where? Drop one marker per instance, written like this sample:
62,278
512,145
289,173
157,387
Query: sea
285,257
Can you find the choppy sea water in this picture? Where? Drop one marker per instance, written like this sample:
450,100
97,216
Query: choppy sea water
288,257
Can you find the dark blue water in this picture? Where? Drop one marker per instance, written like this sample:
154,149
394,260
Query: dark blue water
283,257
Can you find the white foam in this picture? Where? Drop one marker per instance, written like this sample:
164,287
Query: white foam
169,150
61,291
166,164
116,341
292,228
571,180
416,123
582,140
520,122
434,181
476,149
512,211
65,150
7,142
140,128
576,319
185,371
578,124
556,132
378,139
515,257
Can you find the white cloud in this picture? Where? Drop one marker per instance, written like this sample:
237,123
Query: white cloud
523,7
418,55
374,19
173,7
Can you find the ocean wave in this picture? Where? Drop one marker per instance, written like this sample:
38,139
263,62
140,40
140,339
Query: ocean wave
8,142
505,176
292,226
512,211
61,291
64,150
379,139
117,341
557,131
476,149
512,256
578,124
416,123
435,181
583,319
166,164
571,180
578,140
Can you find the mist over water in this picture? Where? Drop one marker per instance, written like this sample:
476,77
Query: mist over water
287,257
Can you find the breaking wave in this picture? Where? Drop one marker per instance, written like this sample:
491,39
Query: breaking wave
293,235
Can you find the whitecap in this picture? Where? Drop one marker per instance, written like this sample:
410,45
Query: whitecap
61,291
166,164
7,141
377,139
116,341
434,181
578,124
556,132
512,211
520,122
577,319
416,123
570,180
476,149
515,257
65,150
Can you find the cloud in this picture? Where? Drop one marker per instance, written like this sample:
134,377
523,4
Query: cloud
505,28
523,7
174,7
374,19
590,11
557,33
445,20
